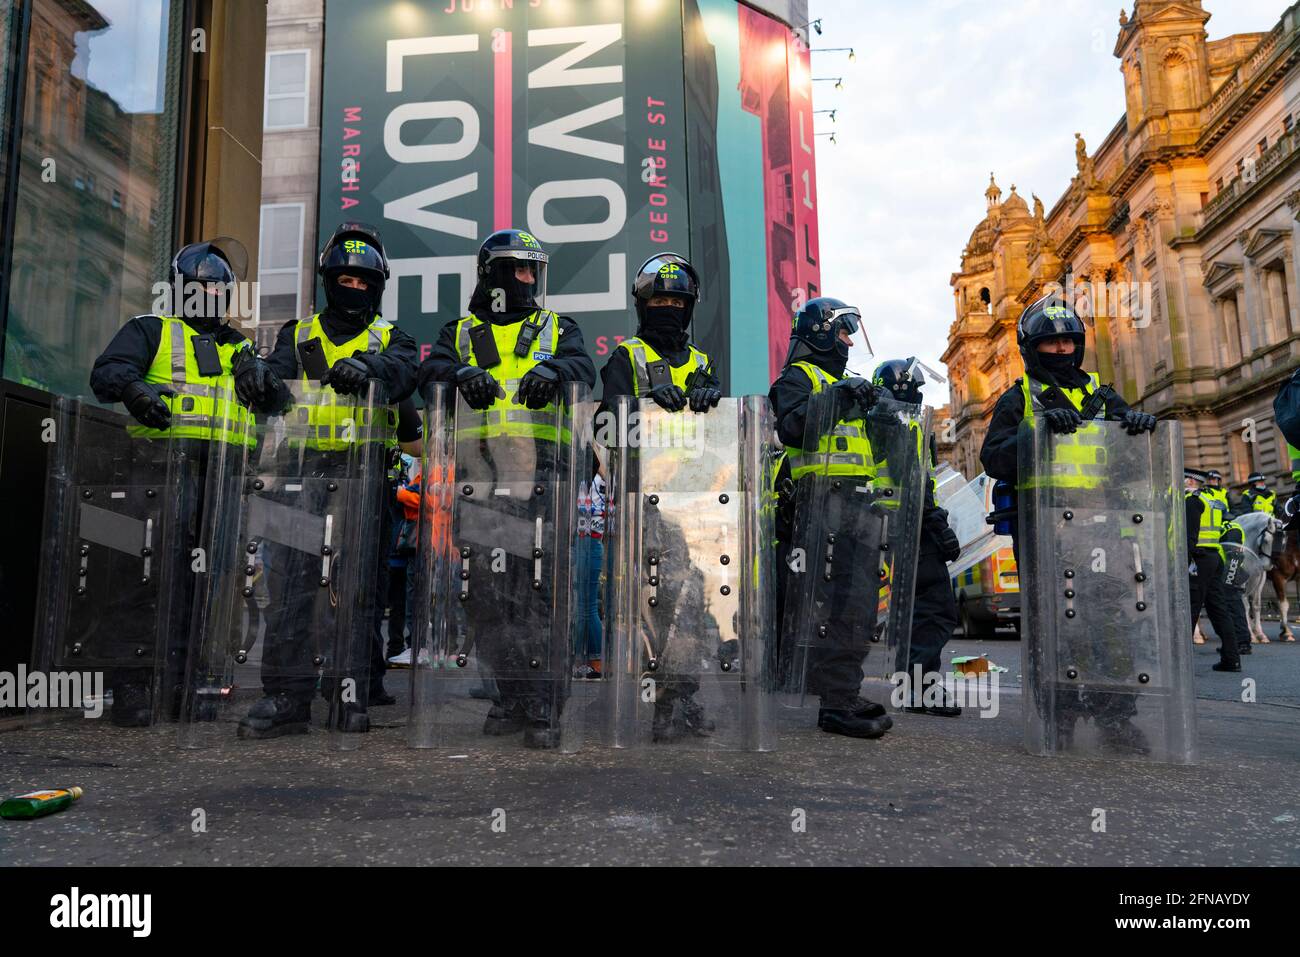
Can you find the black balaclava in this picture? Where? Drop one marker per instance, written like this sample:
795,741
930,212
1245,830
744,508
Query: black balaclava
665,326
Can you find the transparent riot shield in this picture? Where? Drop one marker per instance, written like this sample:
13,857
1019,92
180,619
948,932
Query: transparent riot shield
834,567
967,507
283,637
492,656
900,446
691,577
1105,593
114,573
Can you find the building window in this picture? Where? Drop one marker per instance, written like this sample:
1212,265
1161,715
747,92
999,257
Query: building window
102,94
1263,145
286,89
1218,185
279,271
1287,122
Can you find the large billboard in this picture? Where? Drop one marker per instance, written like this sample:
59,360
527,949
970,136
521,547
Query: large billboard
611,130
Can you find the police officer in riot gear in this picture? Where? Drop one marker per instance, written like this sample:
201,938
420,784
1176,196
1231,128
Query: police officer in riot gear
511,288
816,363
934,611
665,291
169,371
662,364
343,347
1052,340
511,359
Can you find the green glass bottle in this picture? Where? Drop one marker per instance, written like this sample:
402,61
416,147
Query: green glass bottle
39,803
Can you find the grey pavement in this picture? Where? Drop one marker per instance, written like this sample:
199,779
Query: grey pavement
933,791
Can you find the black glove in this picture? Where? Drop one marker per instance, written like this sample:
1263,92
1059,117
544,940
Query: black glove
1136,422
703,398
478,387
853,392
949,544
255,383
538,388
668,397
1063,421
144,402
348,376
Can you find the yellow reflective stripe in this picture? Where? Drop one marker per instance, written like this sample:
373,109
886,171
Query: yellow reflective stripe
642,354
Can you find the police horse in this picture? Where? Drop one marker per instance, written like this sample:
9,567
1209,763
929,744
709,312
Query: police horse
1285,566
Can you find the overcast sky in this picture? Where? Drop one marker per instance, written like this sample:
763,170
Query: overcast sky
942,93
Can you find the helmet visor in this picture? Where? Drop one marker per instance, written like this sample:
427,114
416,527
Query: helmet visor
517,280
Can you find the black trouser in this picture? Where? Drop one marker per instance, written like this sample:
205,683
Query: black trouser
124,619
847,609
1209,592
679,630
1233,582
397,607
383,577
1105,707
934,612
509,622
302,614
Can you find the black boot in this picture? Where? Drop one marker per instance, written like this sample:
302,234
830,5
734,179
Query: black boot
132,706
275,715
505,717
844,721
661,729
866,708
1224,665
353,719
542,735
944,709
1123,737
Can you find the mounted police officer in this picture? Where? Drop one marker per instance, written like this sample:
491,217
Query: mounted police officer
1257,497
177,374
516,366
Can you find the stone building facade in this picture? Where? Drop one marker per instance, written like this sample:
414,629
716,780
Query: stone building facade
1178,239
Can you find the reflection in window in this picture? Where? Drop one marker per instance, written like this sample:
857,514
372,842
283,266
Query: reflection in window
96,182
286,89
279,271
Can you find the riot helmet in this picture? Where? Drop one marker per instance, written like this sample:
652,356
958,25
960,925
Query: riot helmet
825,331
902,377
670,275
203,281
1051,318
511,272
353,257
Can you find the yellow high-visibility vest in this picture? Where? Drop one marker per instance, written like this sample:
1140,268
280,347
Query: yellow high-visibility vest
204,407
334,421
1080,459
642,354
1210,531
846,451
505,416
